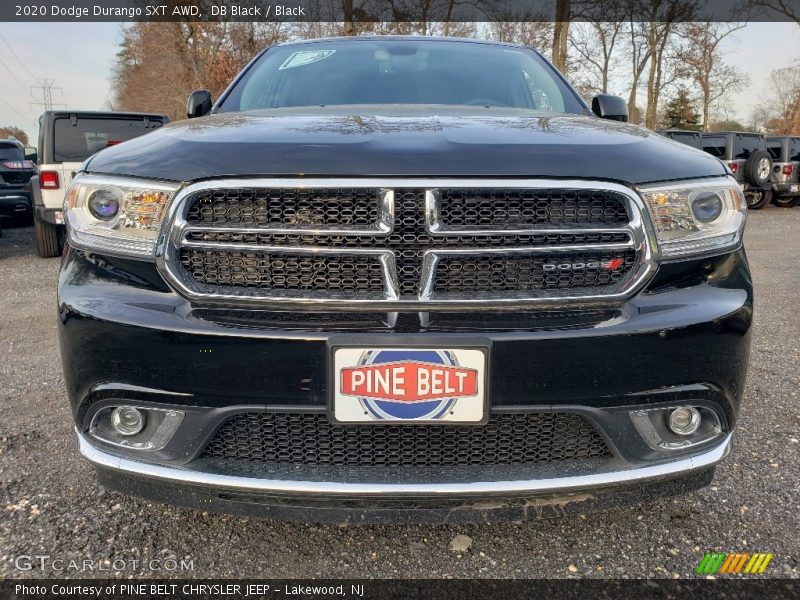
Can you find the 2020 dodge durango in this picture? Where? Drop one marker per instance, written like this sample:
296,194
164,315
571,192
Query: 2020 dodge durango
404,279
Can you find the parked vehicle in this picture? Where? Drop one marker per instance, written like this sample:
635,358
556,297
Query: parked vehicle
66,139
15,177
785,178
404,279
747,157
690,138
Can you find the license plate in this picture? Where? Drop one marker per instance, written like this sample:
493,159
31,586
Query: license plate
410,385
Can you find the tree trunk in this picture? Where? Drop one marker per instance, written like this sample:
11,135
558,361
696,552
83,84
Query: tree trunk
349,27
561,35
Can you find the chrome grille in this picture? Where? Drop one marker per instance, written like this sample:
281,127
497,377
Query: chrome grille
405,242
310,439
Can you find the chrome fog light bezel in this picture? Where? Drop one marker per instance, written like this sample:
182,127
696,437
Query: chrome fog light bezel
653,425
160,425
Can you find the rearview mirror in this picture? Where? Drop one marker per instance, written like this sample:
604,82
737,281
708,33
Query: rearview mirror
606,106
198,104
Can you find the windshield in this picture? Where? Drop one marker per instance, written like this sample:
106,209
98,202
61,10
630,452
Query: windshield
401,72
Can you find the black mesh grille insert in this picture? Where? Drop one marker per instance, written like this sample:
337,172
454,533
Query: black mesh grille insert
509,207
280,271
310,439
286,207
493,273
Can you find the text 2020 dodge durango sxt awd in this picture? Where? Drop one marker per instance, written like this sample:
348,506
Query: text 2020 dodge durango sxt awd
404,279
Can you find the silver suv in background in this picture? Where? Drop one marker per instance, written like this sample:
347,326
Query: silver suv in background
785,178
745,154
66,139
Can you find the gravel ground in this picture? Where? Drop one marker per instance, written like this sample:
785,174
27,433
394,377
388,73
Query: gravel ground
52,506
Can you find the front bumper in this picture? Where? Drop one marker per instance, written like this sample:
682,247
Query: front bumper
126,337
324,500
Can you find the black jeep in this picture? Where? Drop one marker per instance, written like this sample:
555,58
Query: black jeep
404,279
15,176
690,138
747,157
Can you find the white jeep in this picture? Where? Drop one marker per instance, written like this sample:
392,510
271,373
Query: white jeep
66,139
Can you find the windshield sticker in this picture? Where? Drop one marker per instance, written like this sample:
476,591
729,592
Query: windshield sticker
306,57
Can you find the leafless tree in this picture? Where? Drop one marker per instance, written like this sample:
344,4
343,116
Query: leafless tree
780,112
594,44
595,40
702,57
785,8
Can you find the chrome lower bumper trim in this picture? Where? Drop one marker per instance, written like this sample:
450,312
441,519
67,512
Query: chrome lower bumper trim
216,481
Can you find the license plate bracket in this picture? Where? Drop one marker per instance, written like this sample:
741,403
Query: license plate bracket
383,384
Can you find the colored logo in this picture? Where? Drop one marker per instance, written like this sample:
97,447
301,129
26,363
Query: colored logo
606,265
719,563
408,384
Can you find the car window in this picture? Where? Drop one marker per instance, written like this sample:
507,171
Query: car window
794,149
775,147
690,139
76,140
714,145
745,145
418,72
10,152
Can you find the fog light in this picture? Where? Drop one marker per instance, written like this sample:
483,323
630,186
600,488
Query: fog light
127,420
684,420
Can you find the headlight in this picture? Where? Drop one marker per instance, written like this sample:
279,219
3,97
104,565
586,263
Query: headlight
116,215
697,217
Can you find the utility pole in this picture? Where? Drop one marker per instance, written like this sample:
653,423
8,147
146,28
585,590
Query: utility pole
46,88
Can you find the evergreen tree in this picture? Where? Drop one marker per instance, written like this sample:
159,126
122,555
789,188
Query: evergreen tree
680,112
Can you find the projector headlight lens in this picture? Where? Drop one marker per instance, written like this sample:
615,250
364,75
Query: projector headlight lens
707,207
694,218
104,203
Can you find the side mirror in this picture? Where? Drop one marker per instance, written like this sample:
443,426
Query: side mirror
31,155
198,104
606,106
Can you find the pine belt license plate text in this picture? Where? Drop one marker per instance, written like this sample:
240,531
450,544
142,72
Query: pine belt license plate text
414,385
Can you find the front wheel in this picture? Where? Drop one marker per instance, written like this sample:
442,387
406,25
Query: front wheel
785,201
756,200
48,242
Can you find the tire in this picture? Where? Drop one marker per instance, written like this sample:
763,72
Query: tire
757,169
785,201
48,240
757,200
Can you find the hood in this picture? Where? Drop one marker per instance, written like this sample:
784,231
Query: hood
399,142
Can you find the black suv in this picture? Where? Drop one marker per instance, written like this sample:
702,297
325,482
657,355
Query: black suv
748,159
404,279
785,178
15,176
